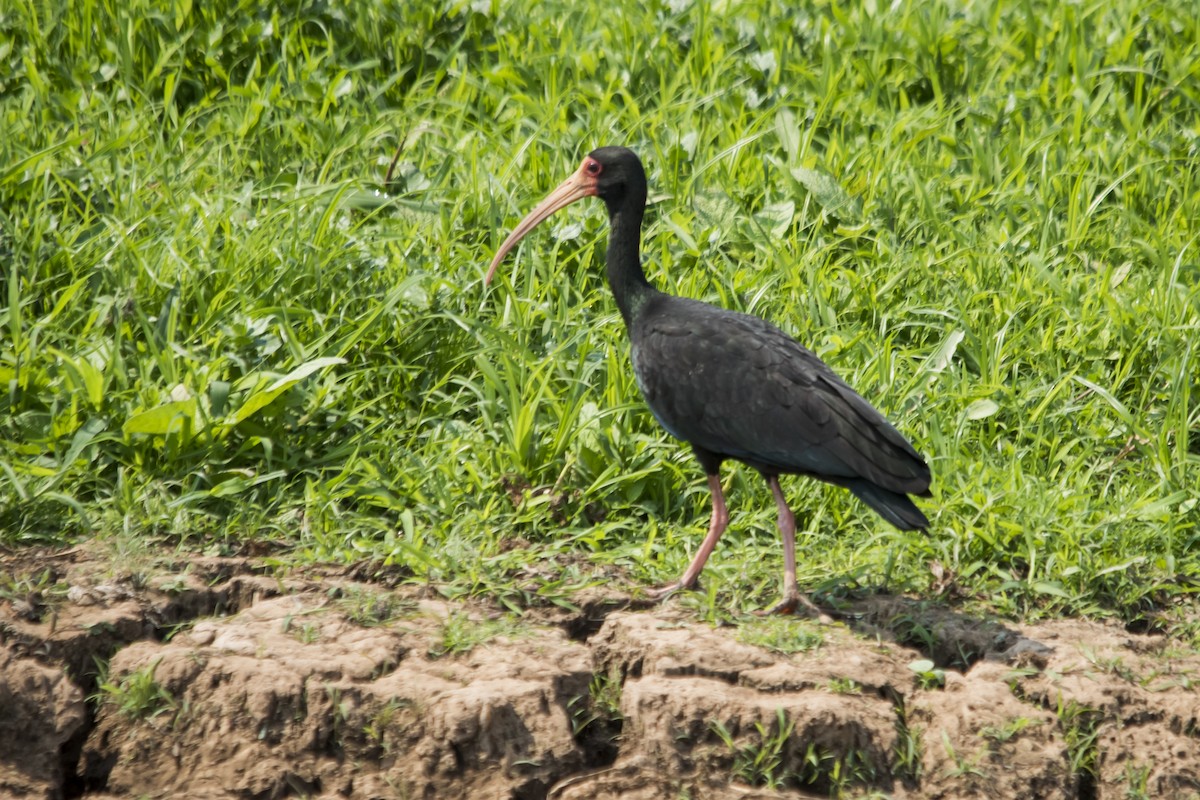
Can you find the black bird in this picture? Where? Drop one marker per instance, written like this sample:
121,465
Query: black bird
734,386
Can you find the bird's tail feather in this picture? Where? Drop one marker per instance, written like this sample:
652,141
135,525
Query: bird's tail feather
896,508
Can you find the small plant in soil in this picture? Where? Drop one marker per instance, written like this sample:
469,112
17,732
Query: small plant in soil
304,632
845,686
963,766
596,718
461,633
1000,734
851,770
1081,727
605,692
383,722
781,635
369,608
929,675
1137,777
764,761
909,751
30,593
137,695
341,714
761,763
1114,665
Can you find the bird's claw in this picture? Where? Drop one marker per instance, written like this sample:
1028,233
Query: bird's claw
786,606
663,592
793,601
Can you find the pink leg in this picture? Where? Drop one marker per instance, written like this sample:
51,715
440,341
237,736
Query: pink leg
720,521
787,527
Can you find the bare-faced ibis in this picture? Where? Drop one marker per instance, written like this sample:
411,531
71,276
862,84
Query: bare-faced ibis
734,386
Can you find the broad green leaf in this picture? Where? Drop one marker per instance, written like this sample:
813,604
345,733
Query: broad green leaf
789,134
161,420
777,218
945,353
981,409
829,194
261,399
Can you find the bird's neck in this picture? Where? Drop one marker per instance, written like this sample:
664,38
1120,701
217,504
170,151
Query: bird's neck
625,276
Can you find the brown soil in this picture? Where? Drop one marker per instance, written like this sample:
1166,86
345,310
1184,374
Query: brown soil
222,681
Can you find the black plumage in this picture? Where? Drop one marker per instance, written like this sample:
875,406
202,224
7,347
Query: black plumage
734,386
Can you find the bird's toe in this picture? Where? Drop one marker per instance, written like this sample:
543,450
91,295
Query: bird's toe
663,592
792,602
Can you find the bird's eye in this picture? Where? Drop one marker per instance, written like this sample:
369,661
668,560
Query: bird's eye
592,167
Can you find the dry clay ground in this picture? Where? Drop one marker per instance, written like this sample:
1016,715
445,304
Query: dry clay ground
226,682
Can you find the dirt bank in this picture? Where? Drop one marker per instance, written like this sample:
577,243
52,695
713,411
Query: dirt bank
211,678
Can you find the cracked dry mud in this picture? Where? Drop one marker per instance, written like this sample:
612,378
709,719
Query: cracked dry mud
241,685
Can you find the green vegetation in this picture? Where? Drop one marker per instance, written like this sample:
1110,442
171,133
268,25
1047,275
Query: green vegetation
1080,726
368,608
596,717
908,754
845,686
461,634
34,590
928,674
766,758
220,326
1000,734
781,634
761,763
964,766
385,723
604,691
136,695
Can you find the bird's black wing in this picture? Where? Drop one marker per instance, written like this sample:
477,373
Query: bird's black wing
737,386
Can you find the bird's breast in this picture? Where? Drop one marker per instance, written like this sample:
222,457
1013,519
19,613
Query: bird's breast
650,385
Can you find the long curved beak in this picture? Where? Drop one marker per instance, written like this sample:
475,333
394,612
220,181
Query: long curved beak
576,187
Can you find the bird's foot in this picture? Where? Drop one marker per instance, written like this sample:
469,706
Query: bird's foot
663,592
791,602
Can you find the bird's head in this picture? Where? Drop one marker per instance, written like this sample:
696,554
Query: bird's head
614,174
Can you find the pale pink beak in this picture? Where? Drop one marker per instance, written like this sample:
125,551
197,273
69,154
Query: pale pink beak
576,187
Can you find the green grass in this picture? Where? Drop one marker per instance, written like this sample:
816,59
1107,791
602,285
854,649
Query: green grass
137,695
220,326
461,634
781,634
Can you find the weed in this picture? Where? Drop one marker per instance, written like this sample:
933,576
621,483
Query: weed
601,705
369,608
31,595
845,686
761,763
381,723
1003,733
596,718
909,752
963,766
912,631
460,633
1080,725
928,675
305,632
604,689
1114,665
781,634
1137,779
136,695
